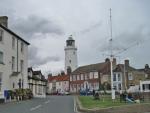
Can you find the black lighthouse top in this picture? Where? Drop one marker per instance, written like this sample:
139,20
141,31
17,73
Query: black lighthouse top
70,41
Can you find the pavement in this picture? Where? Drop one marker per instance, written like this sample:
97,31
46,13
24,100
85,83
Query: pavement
50,104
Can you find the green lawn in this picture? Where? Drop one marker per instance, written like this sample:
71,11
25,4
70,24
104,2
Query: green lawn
104,102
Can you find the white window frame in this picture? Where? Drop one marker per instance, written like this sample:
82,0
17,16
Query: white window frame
85,76
130,76
91,75
115,77
78,77
95,74
82,77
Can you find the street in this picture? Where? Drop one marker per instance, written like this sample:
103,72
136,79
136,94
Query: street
50,104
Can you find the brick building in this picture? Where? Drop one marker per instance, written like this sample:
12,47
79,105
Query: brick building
91,76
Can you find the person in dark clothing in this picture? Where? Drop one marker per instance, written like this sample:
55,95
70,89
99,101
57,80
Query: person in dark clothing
93,92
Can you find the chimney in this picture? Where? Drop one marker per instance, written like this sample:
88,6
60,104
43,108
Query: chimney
126,62
4,21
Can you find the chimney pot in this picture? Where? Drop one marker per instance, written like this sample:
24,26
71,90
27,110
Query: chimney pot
126,63
4,21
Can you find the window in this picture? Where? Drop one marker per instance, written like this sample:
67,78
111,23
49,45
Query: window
119,86
70,78
82,77
1,35
119,77
130,77
78,77
22,47
114,77
74,77
1,57
95,74
13,63
91,75
13,42
21,66
0,81
86,76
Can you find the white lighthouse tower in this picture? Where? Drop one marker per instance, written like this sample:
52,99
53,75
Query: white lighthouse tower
71,62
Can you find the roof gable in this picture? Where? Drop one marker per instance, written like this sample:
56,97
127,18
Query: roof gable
11,32
93,67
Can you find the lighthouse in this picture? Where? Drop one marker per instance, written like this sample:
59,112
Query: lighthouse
71,62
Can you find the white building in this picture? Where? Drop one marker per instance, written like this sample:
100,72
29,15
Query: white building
37,83
71,62
13,59
57,84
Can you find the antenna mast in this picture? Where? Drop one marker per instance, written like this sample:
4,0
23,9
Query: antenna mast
111,59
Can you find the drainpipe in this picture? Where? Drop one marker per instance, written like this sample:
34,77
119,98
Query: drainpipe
17,55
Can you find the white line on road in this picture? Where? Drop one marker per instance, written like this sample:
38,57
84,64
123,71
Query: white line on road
36,107
75,107
47,102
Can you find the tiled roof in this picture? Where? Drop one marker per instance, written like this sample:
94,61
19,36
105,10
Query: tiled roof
103,67
11,32
145,70
58,78
37,72
120,68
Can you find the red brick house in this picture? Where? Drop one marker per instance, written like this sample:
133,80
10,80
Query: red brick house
91,76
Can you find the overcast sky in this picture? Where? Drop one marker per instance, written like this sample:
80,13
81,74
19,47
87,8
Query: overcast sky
46,24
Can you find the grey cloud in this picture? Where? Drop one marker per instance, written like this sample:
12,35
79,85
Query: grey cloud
36,60
34,24
90,28
126,40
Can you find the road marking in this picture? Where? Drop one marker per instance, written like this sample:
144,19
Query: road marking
36,107
47,102
75,108
75,105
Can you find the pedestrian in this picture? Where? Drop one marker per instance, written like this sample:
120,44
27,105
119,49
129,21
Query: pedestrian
93,92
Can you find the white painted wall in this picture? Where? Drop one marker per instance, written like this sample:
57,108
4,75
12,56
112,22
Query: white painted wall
60,86
6,68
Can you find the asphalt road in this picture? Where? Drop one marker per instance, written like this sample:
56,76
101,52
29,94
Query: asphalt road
50,104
